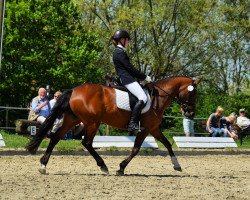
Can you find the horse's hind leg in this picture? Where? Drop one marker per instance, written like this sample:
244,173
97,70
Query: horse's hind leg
90,131
137,145
67,124
45,158
159,136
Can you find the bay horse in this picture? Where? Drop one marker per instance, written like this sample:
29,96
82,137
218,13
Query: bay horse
93,104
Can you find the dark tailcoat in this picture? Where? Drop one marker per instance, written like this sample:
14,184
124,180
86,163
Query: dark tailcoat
124,69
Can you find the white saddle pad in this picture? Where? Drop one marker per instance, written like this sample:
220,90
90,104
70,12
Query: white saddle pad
122,101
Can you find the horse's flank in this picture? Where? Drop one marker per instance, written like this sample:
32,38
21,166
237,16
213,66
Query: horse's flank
97,103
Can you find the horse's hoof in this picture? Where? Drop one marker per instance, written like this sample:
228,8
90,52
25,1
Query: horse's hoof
119,172
42,170
105,169
32,152
178,169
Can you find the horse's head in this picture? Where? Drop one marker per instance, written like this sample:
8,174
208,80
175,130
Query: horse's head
186,97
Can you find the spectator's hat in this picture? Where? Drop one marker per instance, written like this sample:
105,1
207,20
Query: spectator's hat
242,110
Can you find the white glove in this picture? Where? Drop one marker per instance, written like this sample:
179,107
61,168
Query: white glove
143,83
148,79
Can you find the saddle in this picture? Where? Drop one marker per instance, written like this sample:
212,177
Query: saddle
124,98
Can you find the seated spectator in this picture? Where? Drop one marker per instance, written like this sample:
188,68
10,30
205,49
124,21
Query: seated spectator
188,123
213,123
53,101
242,121
40,107
227,126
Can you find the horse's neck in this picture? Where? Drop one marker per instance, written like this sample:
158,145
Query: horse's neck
169,90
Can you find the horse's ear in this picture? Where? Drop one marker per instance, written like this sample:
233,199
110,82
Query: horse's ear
197,81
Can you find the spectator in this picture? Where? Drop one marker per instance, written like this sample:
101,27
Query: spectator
227,125
40,107
53,101
188,124
213,123
242,121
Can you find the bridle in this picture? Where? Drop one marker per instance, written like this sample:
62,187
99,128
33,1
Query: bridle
183,104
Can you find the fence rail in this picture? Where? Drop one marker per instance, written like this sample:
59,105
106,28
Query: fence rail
13,108
174,117
7,109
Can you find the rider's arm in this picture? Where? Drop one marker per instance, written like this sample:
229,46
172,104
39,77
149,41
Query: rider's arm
124,59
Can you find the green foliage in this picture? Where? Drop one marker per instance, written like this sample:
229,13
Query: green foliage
203,38
207,104
45,43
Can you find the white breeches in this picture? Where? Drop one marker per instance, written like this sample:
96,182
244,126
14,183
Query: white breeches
136,90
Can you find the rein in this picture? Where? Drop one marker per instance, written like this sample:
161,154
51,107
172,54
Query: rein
156,95
176,99
167,94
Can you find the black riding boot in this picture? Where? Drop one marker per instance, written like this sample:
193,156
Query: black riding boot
50,134
136,114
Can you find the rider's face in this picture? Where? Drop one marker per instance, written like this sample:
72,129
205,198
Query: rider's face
126,42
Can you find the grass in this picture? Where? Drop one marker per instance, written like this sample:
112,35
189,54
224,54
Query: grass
15,141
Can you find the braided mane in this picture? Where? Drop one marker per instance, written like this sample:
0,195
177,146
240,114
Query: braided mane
165,78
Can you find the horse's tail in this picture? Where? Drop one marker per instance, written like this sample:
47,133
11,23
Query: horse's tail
61,105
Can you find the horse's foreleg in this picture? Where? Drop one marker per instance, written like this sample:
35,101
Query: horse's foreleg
138,142
90,131
159,136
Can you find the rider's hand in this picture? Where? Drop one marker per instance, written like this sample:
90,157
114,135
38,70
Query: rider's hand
148,79
144,82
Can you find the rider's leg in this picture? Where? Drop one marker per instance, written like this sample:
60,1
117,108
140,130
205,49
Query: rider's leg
136,90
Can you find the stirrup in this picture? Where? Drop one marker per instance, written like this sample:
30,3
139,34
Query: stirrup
136,128
140,128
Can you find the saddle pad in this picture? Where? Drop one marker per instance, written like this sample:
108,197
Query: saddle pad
122,101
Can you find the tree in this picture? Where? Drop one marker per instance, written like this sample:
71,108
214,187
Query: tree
45,43
202,38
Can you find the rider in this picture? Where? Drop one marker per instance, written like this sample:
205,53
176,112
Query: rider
128,74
